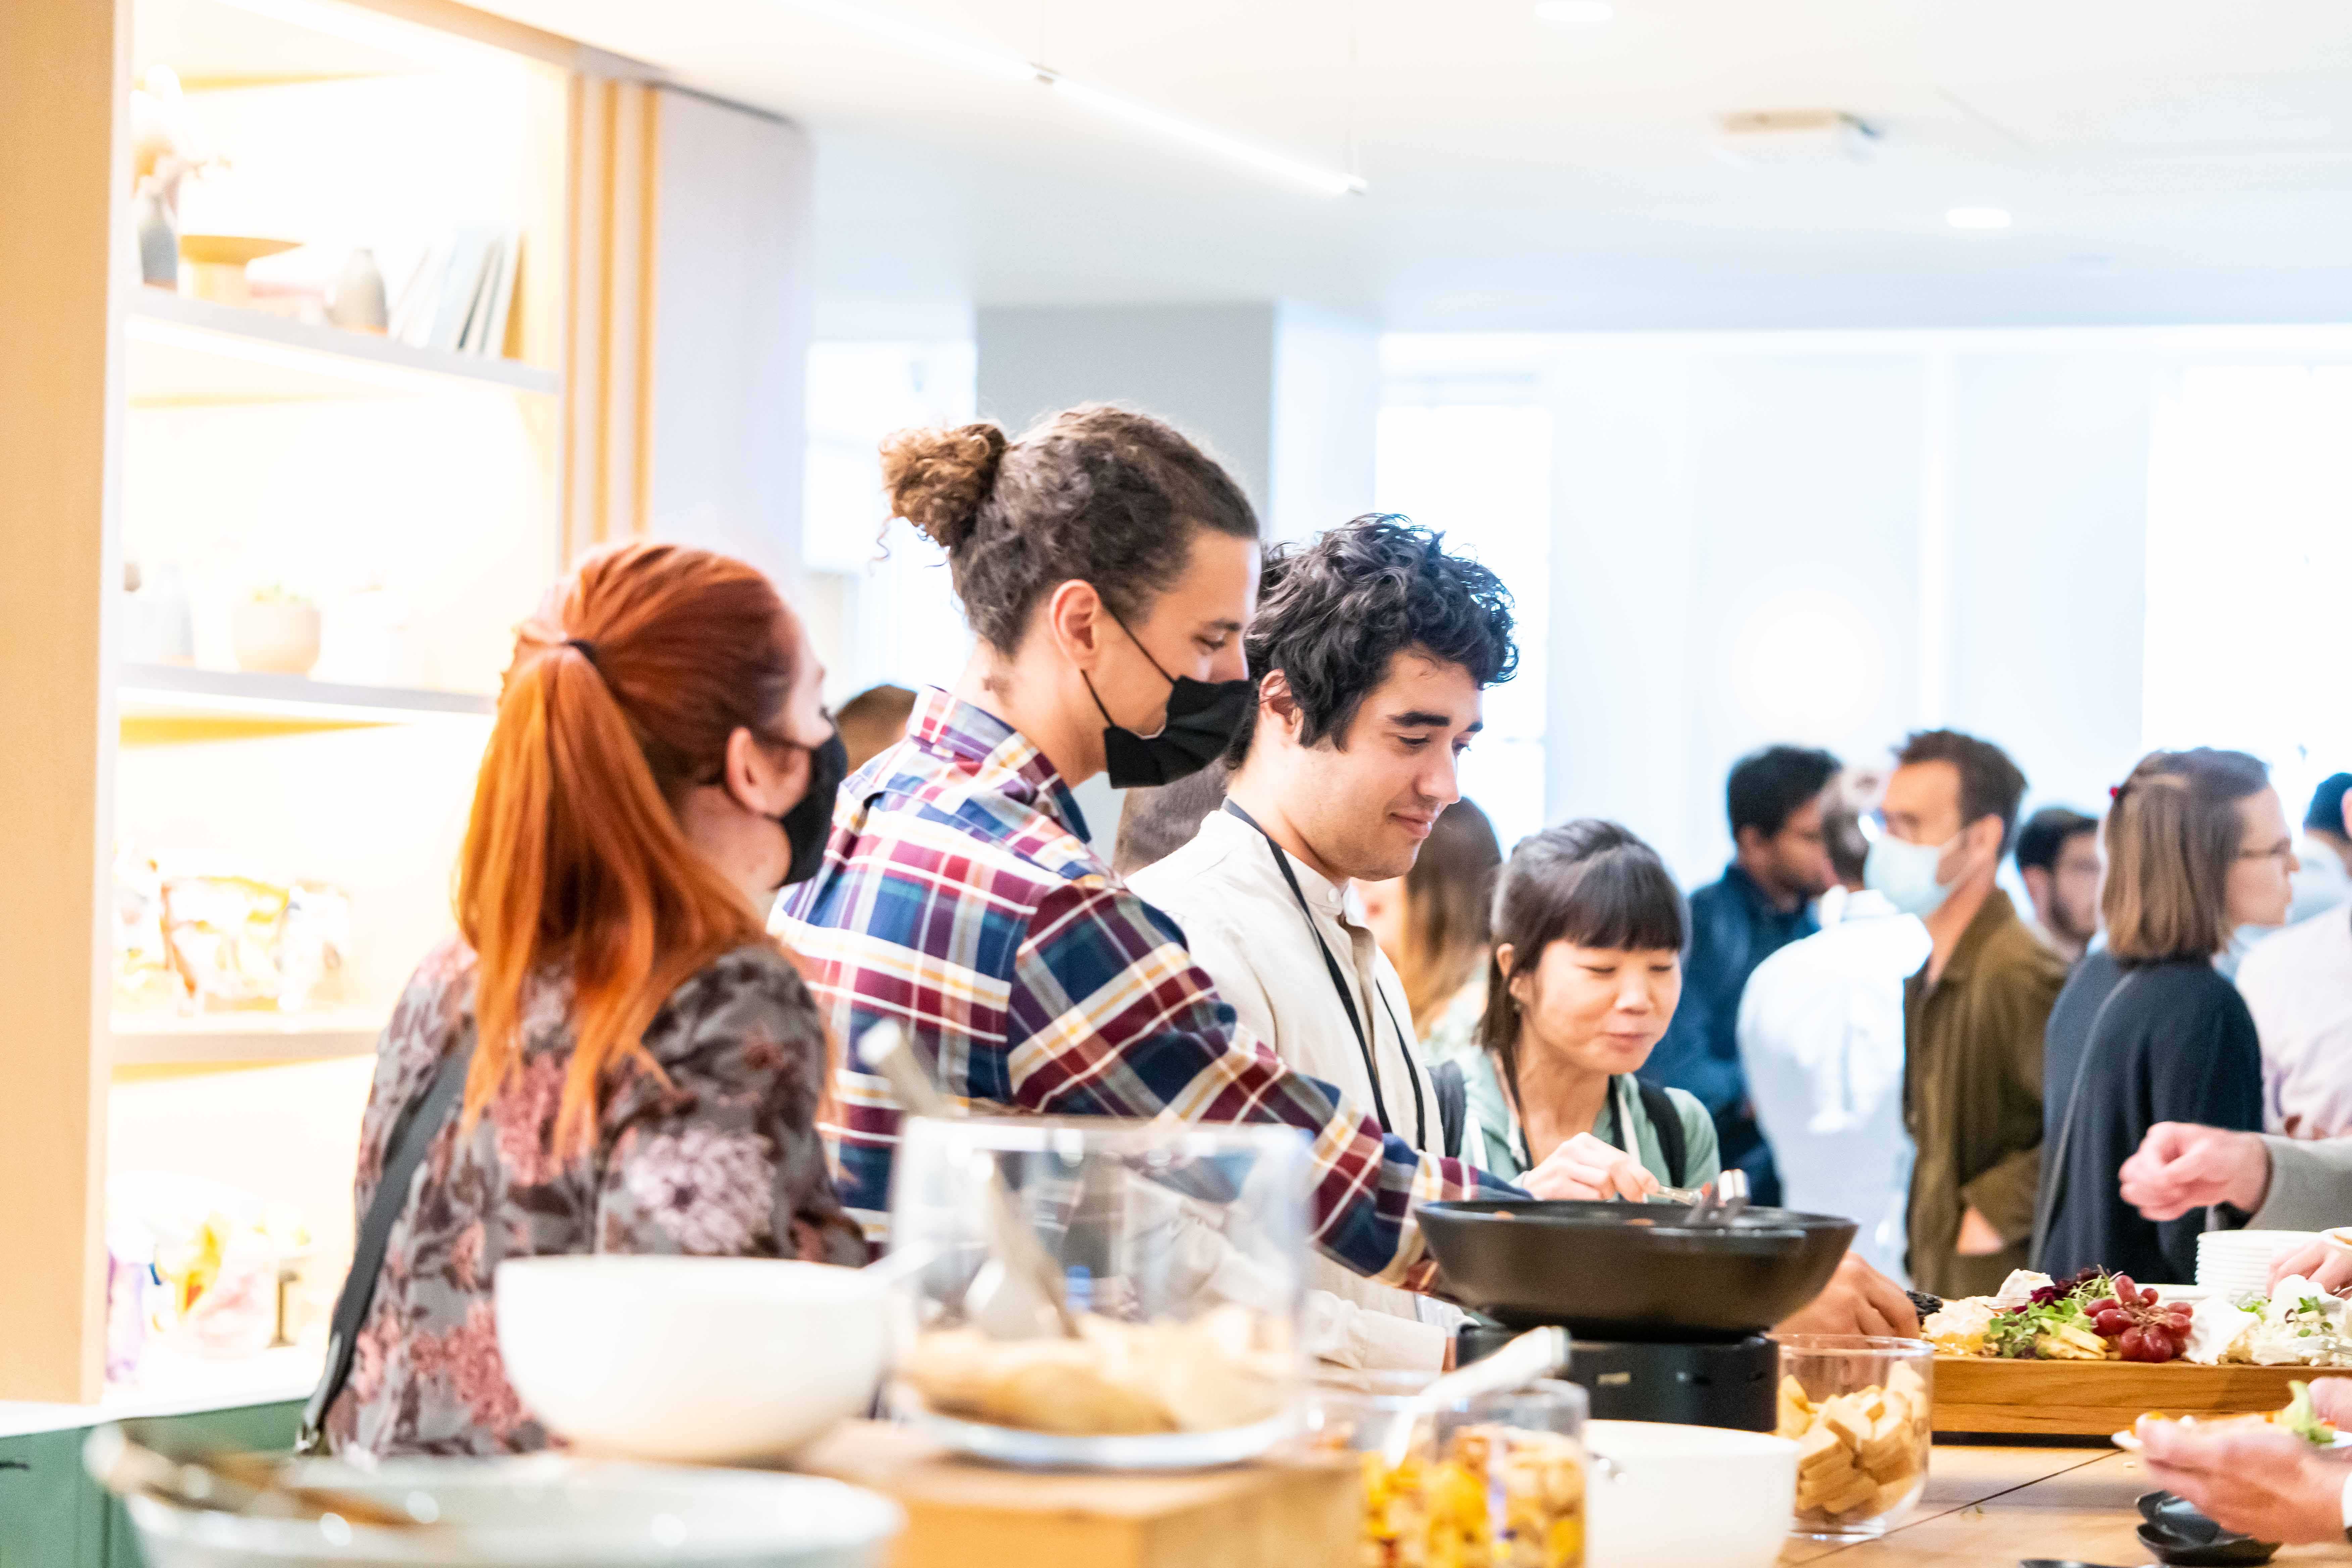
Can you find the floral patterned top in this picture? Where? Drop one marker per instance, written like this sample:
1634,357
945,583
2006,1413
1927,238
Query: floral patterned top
724,1160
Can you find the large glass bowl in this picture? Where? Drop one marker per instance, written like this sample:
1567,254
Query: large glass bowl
1178,1250
1861,1412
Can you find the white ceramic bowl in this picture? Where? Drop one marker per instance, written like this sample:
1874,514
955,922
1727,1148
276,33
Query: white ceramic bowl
273,638
1688,1497
545,1511
699,1359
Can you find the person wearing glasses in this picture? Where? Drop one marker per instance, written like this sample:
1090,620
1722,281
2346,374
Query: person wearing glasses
2147,1030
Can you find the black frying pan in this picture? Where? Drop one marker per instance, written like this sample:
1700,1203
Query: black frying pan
1632,1271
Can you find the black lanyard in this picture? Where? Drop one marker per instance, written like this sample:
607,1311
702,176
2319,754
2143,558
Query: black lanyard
1346,997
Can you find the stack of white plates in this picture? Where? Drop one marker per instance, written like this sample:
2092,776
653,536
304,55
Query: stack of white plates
2238,1262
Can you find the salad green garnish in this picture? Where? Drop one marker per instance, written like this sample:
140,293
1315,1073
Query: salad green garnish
2302,1419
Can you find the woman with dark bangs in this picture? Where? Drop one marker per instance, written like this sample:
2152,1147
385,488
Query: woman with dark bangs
1589,933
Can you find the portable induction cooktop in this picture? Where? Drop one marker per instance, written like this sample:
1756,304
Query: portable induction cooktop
1667,1313
1729,1382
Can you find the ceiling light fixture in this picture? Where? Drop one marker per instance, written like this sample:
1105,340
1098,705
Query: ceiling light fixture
1003,65
1575,16
1978,218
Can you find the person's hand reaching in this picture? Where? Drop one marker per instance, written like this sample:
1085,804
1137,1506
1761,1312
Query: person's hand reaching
2180,1166
2248,1477
1858,1300
2326,1264
1586,1167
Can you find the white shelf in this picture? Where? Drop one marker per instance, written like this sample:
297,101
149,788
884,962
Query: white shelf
145,1040
193,351
170,691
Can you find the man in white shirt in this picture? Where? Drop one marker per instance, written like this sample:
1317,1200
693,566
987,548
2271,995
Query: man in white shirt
2324,879
2298,985
1370,645
1821,1039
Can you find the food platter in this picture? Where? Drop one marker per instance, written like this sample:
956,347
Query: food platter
1140,1452
2094,1398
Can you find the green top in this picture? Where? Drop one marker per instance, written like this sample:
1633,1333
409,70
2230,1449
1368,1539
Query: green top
1501,1140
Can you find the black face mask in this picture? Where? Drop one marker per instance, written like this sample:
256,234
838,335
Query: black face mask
1204,717
807,824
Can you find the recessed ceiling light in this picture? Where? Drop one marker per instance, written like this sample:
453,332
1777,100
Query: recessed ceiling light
1978,218
1575,14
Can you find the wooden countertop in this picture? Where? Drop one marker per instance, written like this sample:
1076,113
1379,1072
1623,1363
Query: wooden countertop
1991,1507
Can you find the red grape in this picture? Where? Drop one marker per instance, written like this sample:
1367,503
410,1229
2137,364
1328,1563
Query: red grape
2157,1343
2134,1343
2111,1322
2125,1291
2104,1304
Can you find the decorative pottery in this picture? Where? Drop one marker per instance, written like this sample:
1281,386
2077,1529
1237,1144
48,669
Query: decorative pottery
358,304
275,637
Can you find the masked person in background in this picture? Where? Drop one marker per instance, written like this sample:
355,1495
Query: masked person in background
1108,568
1973,1014
642,1066
1369,648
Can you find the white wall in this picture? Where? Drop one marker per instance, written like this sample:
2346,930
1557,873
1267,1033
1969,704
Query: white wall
1206,369
732,313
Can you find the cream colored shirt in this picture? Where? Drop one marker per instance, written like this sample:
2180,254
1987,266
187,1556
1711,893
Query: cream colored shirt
1247,931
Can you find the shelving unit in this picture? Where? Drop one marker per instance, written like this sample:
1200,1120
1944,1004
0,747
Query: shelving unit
244,1038
177,691
186,350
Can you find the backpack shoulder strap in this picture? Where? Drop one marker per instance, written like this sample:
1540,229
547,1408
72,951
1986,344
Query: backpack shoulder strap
1666,1118
1453,1092
420,1121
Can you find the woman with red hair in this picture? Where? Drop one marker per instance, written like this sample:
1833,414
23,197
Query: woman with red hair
645,1064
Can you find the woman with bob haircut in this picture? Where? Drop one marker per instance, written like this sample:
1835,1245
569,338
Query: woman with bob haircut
642,1064
1586,970
2148,1030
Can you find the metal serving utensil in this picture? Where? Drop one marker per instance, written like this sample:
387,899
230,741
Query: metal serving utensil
1719,1201
235,1483
1020,1274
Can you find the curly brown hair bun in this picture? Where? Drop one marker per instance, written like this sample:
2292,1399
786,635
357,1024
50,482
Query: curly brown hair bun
1099,493
938,479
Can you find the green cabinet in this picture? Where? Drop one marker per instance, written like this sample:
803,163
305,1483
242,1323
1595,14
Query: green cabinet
49,1517
52,1515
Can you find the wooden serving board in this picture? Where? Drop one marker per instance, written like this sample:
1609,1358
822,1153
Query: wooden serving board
2094,1398
960,1514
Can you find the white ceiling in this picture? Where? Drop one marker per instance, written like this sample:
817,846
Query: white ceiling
2165,159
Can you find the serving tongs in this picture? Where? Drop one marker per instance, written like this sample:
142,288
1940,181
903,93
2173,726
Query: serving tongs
1020,1273
226,1482
1538,1352
1715,1204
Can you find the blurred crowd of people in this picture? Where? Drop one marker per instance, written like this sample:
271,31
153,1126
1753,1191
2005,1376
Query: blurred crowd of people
1855,1013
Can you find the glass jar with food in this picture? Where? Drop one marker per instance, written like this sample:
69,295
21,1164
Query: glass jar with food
1497,1481
1116,1294
1861,1411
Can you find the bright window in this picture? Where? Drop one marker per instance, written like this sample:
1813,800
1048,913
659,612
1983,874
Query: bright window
1482,474
882,609
2249,557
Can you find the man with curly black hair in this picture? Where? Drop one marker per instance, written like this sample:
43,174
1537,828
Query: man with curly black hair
1371,646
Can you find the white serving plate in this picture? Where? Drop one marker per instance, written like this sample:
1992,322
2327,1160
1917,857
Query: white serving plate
544,1512
1146,1452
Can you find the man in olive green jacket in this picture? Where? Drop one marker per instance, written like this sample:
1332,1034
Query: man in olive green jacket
1973,1016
